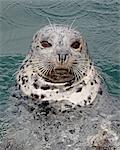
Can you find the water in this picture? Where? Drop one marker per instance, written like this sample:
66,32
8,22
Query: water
98,20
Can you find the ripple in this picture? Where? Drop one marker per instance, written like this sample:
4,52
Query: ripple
97,19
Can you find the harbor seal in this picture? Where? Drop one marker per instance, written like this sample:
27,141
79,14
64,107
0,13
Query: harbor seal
58,67
58,71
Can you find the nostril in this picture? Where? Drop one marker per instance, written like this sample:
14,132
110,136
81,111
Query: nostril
62,57
65,57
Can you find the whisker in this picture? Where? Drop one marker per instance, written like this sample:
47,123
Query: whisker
50,23
45,70
81,60
72,23
77,73
75,27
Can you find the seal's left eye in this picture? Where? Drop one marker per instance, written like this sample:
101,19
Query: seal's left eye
75,45
46,44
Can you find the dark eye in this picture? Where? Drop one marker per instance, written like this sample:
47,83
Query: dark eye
46,44
75,45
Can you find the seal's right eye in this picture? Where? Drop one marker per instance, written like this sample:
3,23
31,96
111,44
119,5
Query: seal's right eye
46,44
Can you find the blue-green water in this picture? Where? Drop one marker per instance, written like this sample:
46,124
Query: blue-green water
98,20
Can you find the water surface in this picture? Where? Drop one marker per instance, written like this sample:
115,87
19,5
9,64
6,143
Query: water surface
98,20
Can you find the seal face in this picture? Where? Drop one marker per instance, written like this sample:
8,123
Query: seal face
58,67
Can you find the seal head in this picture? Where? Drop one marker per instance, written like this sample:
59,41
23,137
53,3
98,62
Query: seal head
59,53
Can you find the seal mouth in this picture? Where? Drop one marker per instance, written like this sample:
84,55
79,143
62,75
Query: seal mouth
60,75
61,71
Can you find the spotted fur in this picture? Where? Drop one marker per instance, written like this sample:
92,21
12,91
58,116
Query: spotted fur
58,70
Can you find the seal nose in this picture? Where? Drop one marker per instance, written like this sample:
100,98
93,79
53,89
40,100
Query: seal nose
62,57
